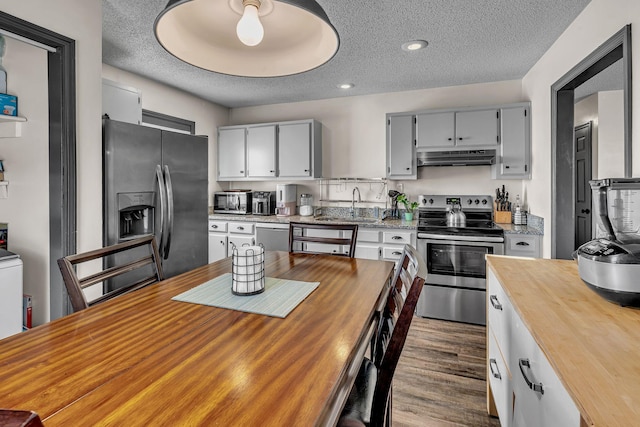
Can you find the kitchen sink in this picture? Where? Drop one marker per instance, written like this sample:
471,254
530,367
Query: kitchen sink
343,219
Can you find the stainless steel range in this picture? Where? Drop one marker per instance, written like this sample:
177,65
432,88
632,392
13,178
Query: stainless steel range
455,256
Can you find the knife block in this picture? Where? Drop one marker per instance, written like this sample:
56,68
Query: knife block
501,217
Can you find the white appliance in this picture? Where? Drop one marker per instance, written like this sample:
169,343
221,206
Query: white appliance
10,294
286,195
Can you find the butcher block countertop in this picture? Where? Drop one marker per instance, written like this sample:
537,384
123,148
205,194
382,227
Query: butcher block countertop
593,345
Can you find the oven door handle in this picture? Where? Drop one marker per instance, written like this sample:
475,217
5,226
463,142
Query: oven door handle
456,238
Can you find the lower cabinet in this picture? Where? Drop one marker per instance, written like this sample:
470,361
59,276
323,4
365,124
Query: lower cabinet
523,387
525,245
223,235
387,244
217,240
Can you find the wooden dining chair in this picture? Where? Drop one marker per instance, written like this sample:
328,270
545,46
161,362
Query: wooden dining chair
16,418
143,263
369,403
303,238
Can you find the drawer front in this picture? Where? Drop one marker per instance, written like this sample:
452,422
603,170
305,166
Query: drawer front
365,235
367,251
499,312
523,245
241,227
391,253
217,226
500,381
397,237
551,407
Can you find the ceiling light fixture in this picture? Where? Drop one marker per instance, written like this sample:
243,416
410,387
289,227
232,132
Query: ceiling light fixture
414,45
346,85
249,29
249,38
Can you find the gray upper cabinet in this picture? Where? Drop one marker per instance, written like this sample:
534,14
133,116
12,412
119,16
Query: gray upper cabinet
435,130
514,154
287,150
261,151
401,147
478,128
231,153
459,130
300,150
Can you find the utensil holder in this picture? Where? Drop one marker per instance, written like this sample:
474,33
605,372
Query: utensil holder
247,270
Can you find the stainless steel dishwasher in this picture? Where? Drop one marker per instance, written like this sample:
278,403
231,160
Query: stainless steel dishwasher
274,236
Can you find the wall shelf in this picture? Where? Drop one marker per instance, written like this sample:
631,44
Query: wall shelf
11,126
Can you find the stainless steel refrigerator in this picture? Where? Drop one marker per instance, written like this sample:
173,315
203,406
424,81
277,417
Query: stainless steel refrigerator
155,182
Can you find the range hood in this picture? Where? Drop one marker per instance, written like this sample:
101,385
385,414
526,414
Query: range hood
456,158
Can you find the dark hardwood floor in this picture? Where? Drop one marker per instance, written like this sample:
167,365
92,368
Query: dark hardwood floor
440,379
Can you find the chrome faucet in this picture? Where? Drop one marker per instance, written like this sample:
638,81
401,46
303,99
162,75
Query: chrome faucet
353,201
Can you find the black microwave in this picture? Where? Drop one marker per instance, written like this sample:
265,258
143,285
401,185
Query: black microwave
232,202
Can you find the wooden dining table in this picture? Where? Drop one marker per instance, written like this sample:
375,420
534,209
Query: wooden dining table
145,359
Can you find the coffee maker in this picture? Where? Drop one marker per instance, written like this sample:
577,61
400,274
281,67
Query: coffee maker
264,202
286,195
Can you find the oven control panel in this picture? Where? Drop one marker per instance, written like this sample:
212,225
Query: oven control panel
466,202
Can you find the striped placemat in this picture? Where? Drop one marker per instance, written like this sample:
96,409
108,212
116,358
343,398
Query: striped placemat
278,299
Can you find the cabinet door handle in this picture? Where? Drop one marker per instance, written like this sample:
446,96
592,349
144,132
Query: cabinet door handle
222,242
408,169
271,171
586,211
214,226
396,238
449,139
522,244
495,303
240,228
495,374
507,166
396,253
241,171
533,386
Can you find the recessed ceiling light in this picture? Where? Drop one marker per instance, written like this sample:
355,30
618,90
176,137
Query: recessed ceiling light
414,45
346,85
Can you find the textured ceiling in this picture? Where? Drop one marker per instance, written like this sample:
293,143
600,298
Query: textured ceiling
470,41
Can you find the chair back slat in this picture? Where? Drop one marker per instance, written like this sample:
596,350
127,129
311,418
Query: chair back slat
112,272
76,285
299,237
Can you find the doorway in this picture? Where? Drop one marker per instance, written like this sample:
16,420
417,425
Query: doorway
583,172
563,188
61,73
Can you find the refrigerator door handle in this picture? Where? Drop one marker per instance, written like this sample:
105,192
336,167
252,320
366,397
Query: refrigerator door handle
169,187
161,190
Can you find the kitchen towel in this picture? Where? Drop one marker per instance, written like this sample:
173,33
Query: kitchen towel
278,300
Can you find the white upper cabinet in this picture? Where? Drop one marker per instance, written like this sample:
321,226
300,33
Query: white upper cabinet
231,153
467,130
288,150
401,152
514,157
298,154
261,151
435,130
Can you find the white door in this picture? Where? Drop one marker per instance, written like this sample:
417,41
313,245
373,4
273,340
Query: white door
294,150
217,246
435,130
261,151
477,128
231,153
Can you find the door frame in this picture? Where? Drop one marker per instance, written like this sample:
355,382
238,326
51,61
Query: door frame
61,71
562,127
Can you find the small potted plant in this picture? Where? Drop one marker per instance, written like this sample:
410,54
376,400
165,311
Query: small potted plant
409,206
